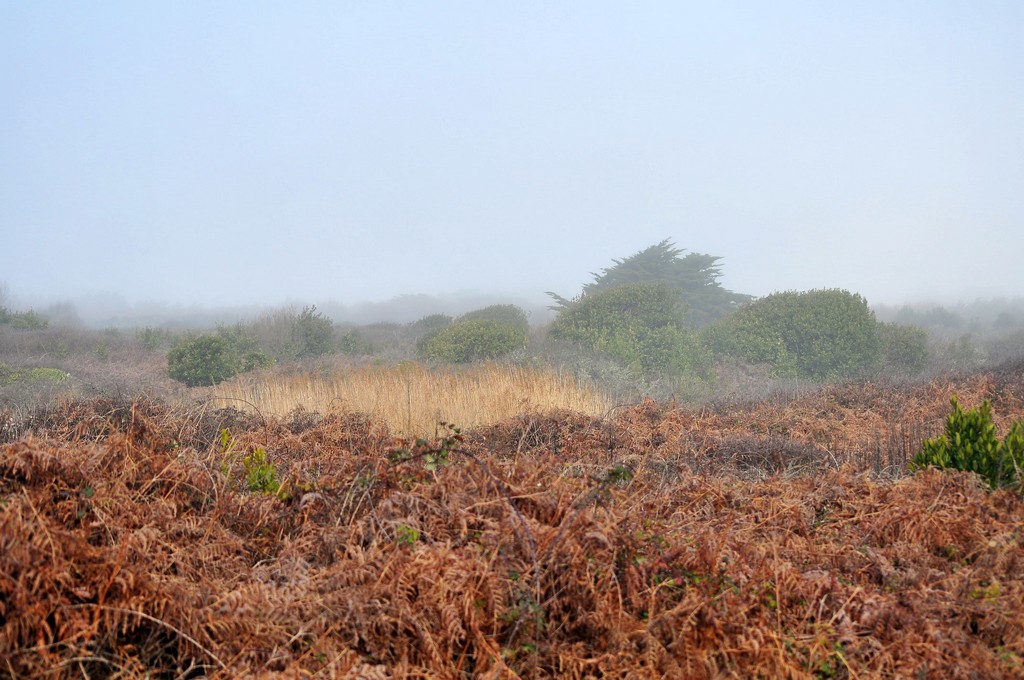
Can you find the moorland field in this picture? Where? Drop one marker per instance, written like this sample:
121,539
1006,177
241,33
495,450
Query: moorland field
347,516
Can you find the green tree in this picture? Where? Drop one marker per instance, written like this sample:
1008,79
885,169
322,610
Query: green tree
694,277
313,333
202,361
818,334
641,325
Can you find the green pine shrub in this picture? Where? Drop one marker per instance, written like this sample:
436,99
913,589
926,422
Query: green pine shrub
970,443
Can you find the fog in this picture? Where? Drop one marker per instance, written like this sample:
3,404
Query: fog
226,155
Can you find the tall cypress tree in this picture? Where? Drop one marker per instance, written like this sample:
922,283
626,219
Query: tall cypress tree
694,275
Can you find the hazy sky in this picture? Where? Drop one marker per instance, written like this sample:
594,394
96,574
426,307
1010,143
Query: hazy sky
243,152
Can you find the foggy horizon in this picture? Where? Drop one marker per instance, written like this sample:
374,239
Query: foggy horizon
225,155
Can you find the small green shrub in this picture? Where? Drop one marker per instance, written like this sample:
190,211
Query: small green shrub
970,443
22,321
9,376
473,340
153,338
904,348
406,535
260,475
51,375
202,361
313,333
353,343
428,328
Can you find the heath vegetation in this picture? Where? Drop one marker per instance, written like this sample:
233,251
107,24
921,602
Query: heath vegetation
669,479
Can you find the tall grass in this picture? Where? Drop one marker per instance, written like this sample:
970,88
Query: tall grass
412,399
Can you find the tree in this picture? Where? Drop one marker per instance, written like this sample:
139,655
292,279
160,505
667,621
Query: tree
641,325
694,277
819,334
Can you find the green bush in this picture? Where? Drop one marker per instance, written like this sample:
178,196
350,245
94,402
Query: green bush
353,343
427,328
641,325
22,321
202,361
153,338
970,443
473,340
507,314
819,334
313,333
752,338
904,348
9,376
260,474
246,346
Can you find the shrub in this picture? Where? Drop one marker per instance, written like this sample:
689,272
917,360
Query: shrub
641,325
970,444
23,321
473,340
260,474
751,338
353,343
507,314
153,338
427,328
202,361
904,348
821,334
313,333
246,346
9,376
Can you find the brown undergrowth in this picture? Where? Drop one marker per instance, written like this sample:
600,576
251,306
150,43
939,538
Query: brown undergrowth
666,541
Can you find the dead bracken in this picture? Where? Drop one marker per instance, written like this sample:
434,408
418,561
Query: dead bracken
772,539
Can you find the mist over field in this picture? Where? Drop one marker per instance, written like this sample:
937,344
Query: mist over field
177,159
512,340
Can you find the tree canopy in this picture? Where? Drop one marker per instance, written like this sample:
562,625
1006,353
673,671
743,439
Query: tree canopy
638,324
694,276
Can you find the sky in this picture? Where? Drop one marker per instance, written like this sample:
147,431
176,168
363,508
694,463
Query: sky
253,153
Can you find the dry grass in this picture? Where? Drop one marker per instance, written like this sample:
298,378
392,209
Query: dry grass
412,399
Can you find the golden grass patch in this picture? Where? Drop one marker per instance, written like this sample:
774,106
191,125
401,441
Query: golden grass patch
413,399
